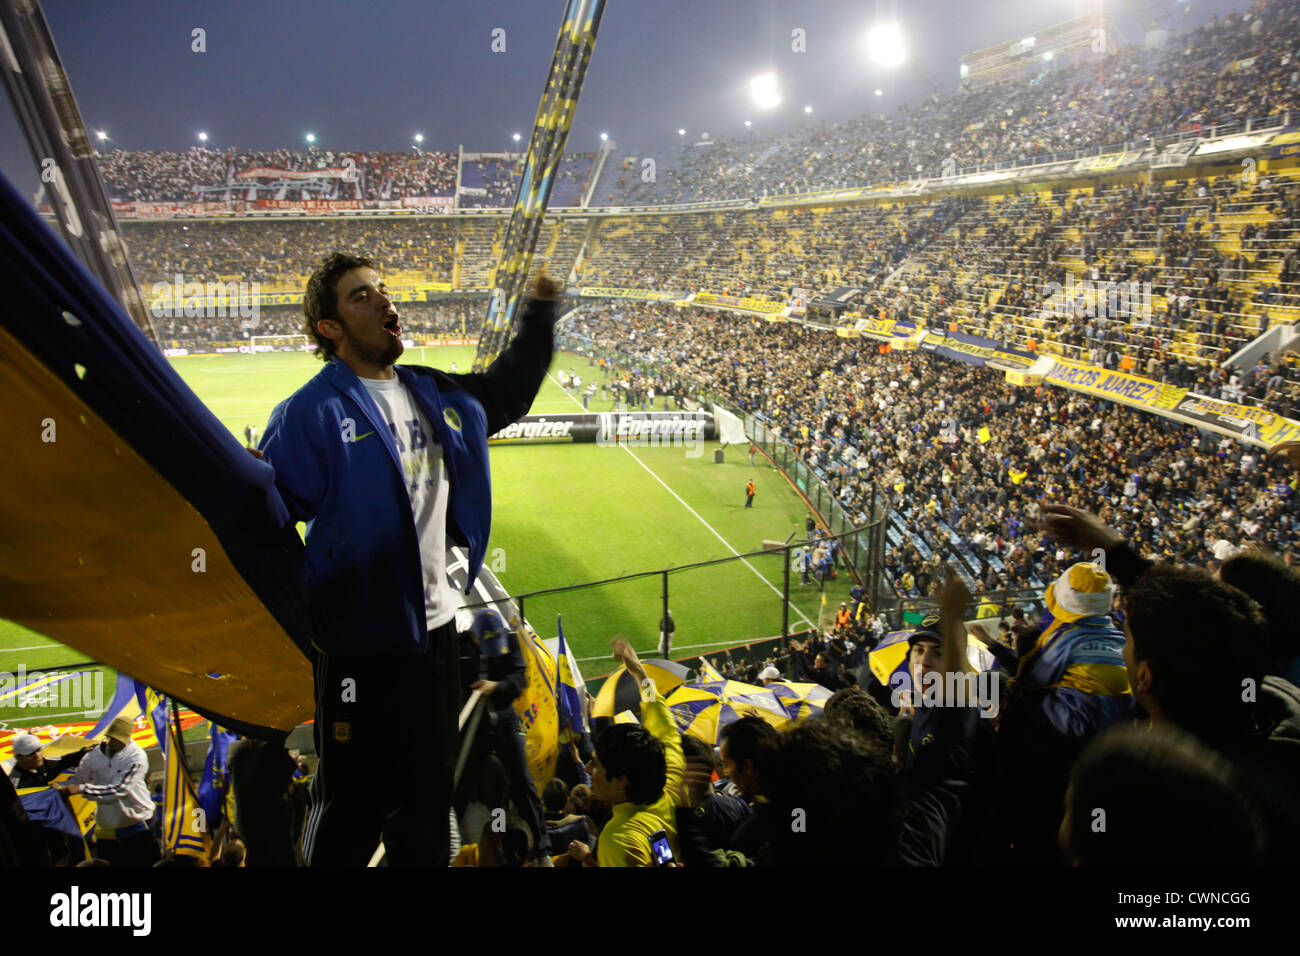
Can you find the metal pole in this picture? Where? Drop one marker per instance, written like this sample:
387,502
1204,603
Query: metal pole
664,623
785,604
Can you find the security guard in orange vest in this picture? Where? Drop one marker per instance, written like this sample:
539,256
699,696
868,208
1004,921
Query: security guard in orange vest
751,489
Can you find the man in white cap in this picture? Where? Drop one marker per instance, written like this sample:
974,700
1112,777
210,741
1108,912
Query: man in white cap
114,777
31,769
769,675
1070,684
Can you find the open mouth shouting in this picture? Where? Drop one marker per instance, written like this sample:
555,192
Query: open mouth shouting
393,327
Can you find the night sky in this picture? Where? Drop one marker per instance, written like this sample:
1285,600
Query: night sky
371,74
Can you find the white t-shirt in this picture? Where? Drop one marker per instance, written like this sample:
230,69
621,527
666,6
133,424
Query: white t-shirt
428,488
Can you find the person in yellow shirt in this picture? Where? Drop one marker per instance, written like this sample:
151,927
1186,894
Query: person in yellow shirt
640,771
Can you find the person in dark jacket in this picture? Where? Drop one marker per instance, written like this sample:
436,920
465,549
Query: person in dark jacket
494,655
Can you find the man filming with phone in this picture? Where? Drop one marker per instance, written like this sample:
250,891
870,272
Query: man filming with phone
640,771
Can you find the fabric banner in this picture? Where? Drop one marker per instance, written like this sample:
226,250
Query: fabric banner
740,303
430,203
976,350
267,172
608,292
1116,386
309,205
1250,421
153,487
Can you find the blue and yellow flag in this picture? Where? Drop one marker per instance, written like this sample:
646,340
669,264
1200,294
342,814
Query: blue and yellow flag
214,788
185,823
539,713
572,712
45,805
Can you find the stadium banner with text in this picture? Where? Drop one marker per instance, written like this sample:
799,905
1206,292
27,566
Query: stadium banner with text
822,195
975,350
1116,386
267,172
430,203
1247,420
1110,161
611,428
309,205
1285,143
740,303
610,292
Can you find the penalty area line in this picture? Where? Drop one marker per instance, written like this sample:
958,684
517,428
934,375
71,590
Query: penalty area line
700,518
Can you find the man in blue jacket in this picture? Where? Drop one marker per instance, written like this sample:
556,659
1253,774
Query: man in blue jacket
388,466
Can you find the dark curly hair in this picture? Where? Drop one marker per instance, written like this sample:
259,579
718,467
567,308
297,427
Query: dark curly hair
632,751
321,300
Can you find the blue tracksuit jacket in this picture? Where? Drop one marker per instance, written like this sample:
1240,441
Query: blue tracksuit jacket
362,566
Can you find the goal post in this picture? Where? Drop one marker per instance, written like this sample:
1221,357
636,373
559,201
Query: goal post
280,343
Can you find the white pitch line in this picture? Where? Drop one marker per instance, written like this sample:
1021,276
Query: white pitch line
725,542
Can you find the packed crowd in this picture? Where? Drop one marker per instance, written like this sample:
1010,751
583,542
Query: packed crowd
148,176
911,423
443,318
1241,66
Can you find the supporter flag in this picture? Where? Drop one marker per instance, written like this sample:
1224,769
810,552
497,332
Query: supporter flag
45,805
215,785
572,712
709,673
537,707
984,434
185,823
128,428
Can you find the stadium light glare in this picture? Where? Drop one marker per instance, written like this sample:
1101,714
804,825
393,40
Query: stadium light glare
681,132
203,137
807,109
419,137
748,124
603,137
101,135
516,137
880,92
885,45
1048,55
311,137
765,93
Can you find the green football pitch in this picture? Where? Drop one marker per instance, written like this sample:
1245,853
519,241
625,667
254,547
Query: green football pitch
564,515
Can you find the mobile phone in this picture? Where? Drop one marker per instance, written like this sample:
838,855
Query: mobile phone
659,848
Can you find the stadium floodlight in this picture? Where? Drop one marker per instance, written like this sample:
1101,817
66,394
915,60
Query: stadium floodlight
807,109
203,137
681,132
515,137
748,124
101,135
311,137
765,93
1047,55
880,92
885,45
603,137
419,137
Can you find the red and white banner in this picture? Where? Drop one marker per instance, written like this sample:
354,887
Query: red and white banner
309,205
267,172
431,203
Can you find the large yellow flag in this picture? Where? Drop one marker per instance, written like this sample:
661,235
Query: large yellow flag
539,714
185,825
